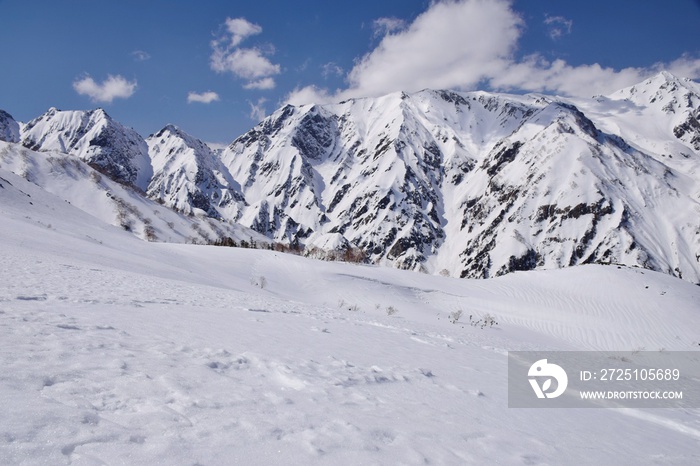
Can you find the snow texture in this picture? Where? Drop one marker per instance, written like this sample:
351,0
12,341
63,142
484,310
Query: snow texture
121,351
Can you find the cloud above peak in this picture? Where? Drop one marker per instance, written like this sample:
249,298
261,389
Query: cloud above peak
452,45
114,87
440,48
250,64
470,44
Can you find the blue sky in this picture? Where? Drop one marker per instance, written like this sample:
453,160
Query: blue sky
215,68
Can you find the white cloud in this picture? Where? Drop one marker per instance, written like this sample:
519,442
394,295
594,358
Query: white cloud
114,87
539,75
686,66
464,44
261,84
204,97
140,55
250,64
536,74
257,110
240,29
454,44
558,26
312,94
384,26
331,69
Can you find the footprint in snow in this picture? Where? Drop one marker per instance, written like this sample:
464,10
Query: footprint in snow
31,298
68,327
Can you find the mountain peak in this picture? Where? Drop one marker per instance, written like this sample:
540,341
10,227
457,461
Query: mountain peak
94,137
665,75
100,112
170,128
188,175
664,79
665,89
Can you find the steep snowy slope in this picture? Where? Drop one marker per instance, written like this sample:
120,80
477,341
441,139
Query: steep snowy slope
120,351
188,176
370,169
93,136
561,192
74,181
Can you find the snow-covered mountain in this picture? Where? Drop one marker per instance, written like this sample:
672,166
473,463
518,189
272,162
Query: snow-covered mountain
188,176
468,184
96,138
479,184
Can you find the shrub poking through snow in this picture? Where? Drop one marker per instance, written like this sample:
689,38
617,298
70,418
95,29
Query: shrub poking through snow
260,282
485,321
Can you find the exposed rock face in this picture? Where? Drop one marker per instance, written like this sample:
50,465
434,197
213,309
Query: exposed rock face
9,128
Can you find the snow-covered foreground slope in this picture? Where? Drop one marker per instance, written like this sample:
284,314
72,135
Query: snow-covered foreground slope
118,351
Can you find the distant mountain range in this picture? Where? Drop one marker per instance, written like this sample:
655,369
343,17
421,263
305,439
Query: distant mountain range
466,184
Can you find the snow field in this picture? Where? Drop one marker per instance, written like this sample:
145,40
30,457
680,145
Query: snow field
118,351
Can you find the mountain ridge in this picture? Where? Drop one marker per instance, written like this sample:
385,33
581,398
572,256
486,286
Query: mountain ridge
469,184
